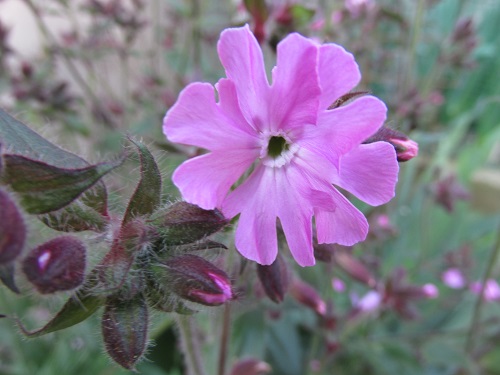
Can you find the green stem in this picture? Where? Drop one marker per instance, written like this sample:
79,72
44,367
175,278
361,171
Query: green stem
474,328
190,345
224,339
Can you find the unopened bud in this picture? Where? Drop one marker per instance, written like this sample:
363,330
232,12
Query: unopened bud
56,265
250,366
406,149
307,295
184,223
195,279
353,267
274,279
12,229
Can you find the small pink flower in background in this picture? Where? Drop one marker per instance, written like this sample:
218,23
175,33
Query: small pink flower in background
338,285
293,148
453,278
430,291
371,301
491,290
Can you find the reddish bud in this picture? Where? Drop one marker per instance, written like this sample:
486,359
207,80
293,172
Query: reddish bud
307,295
184,223
12,229
56,265
353,267
274,279
406,149
195,279
250,366
125,330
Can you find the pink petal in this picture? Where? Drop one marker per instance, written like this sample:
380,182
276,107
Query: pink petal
295,91
338,73
241,56
343,223
228,103
370,172
256,199
295,214
340,130
195,119
205,180
256,237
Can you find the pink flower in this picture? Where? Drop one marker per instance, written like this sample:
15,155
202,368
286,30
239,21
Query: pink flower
491,290
453,278
285,139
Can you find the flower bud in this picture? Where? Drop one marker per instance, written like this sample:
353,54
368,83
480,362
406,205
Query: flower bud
12,229
195,279
307,295
406,149
274,279
353,267
184,223
250,366
56,265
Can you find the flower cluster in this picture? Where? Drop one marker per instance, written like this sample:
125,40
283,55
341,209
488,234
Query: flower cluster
294,144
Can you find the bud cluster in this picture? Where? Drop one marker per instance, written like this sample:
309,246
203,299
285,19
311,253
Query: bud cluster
148,264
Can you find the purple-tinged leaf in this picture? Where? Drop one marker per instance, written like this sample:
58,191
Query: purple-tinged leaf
125,330
76,309
44,188
20,139
147,195
12,229
56,265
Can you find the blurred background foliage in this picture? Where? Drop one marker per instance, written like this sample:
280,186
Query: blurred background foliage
105,68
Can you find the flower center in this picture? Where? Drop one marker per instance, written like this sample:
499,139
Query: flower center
276,146
277,149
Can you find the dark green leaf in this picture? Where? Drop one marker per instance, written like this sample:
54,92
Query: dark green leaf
125,330
147,195
7,276
44,188
76,310
20,139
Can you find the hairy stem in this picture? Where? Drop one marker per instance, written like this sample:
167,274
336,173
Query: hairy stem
190,345
224,339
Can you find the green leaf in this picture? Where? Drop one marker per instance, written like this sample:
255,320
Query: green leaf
147,195
44,188
76,310
125,330
20,139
